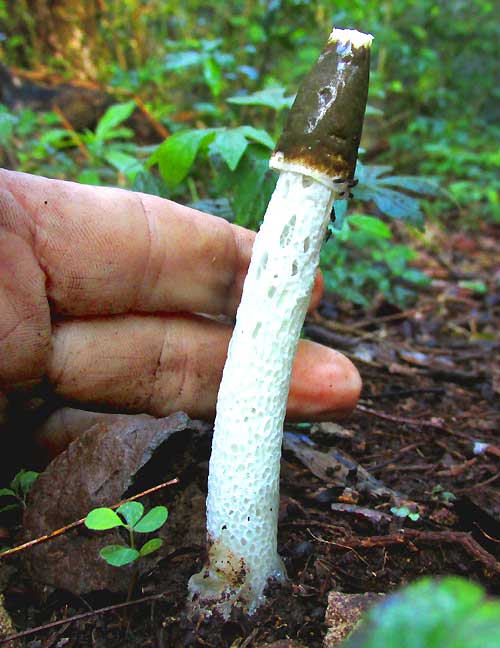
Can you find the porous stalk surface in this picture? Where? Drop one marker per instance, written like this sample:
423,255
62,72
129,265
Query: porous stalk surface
243,486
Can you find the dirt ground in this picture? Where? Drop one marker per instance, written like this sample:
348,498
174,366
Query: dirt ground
407,486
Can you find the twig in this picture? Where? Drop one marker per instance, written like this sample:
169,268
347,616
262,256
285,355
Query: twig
467,489
79,617
390,318
69,127
158,126
72,525
435,423
466,541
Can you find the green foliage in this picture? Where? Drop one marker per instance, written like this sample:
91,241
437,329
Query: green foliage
361,260
19,489
446,613
131,517
221,78
405,512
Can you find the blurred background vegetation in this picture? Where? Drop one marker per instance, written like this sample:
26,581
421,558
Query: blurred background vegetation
185,100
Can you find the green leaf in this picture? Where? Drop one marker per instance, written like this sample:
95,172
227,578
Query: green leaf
151,545
181,60
370,224
177,154
393,203
446,613
476,286
153,520
101,519
400,511
23,481
230,144
416,184
10,507
270,97
212,74
251,186
258,135
7,492
126,164
131,511
58,137
118,556
89,176
114,116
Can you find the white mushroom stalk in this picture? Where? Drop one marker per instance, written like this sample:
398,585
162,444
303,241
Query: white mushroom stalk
316,157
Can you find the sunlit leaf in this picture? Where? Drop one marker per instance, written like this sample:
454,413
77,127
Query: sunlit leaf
371,224
126,164
212,74
258,135
153,520
101,519
131,511
114,116
270,97
230,143
178,152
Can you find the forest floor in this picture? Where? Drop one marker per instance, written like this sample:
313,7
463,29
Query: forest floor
407,486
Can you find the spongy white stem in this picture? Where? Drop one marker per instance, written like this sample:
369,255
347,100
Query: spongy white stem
243,485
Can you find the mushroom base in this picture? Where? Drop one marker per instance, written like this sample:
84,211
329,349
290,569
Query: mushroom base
226,582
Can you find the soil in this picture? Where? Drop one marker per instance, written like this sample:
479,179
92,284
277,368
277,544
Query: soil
426,435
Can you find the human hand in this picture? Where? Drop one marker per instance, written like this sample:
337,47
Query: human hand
100,294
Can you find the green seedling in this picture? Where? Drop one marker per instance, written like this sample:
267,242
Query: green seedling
19,489
445,496
405,512
131,517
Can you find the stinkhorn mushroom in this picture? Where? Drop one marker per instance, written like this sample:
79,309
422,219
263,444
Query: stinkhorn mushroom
316,157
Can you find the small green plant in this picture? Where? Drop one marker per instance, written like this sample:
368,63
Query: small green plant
362,259
130,516
442,495
405,512
431,613
19,489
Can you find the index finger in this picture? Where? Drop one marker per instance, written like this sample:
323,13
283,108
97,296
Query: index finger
106,250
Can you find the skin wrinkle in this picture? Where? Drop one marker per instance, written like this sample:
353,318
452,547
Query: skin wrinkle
56,377
156,383
148,258
159,398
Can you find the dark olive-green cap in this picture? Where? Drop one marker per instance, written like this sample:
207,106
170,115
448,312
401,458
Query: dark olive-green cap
323,130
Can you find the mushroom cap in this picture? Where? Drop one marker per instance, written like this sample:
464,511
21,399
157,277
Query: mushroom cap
323,130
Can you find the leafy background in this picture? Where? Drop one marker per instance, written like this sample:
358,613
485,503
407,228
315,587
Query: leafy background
218,80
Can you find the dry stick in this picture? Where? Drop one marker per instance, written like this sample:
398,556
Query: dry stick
72,525
486,482
69,127
79,617
391,318
158,126
436,423
466,541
